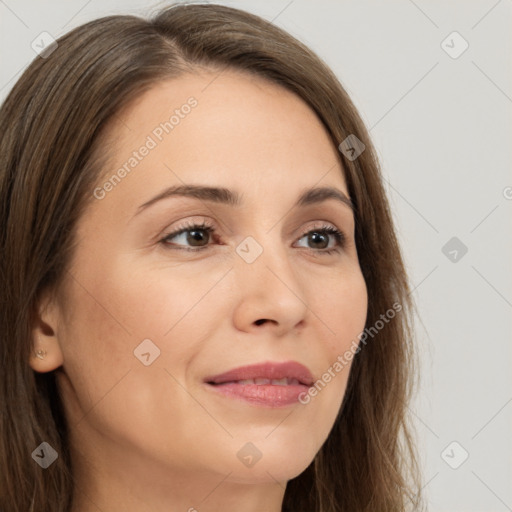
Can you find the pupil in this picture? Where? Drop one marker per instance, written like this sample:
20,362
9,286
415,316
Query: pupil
316,237
195,235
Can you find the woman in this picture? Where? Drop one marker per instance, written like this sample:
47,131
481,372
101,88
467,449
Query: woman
204,302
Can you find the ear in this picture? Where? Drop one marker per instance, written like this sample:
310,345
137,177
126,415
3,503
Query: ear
45,321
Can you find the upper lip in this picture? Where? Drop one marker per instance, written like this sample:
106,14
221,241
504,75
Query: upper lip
266,370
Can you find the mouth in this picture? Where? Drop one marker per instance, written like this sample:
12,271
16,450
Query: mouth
260,381
265,384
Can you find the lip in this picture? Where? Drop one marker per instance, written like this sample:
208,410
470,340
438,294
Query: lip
266,370
265,394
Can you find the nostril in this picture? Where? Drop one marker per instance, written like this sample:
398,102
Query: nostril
260,321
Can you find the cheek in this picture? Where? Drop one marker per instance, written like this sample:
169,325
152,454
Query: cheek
108,387
342,309
177,310
117,307
159,298
130,303
344,306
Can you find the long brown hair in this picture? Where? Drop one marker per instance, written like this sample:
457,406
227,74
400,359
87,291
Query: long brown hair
50,159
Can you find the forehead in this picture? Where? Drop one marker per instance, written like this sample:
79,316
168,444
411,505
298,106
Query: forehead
232,128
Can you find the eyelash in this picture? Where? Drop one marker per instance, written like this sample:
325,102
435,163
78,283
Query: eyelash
339,237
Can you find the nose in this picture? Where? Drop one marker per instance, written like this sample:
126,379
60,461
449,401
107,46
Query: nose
269,291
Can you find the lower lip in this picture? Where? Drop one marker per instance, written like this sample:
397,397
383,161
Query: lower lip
266,395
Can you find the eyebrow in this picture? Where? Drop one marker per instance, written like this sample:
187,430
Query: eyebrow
226,196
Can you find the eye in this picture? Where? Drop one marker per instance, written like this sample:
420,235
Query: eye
320,237
198,236
192,233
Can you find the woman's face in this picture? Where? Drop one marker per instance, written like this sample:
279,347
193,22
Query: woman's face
147,315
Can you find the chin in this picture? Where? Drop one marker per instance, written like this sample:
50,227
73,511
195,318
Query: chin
275,462
270,472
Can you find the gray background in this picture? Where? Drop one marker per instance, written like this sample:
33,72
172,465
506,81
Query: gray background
442,127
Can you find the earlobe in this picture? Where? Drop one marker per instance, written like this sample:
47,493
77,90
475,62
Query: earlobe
46,360
46,354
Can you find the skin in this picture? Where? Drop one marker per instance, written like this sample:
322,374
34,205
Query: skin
154,438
